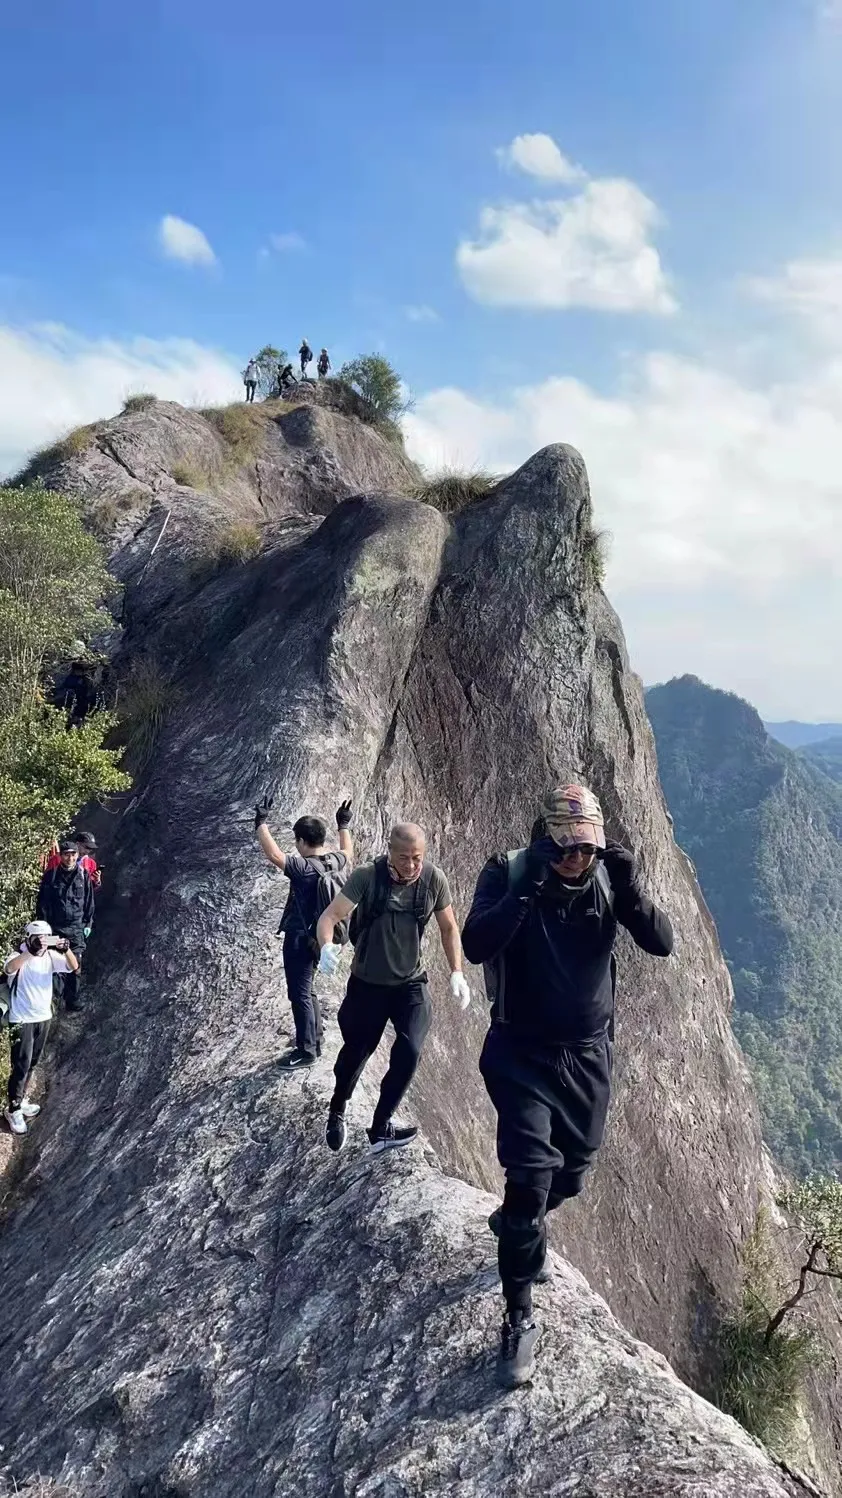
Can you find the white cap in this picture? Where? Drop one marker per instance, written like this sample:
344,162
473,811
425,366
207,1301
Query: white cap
39,928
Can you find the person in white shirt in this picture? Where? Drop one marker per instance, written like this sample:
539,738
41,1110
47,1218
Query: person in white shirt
30,977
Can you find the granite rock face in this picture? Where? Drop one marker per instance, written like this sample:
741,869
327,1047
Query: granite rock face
206,1301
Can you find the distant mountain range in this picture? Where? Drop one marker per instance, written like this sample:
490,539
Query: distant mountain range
795,735
763,826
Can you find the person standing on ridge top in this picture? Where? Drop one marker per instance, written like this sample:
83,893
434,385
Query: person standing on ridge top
315,875
305,354
66,903
389,903
251,375
544,922
287,378
323,365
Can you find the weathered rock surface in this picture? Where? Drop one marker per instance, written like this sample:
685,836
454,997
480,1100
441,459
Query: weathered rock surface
205,1301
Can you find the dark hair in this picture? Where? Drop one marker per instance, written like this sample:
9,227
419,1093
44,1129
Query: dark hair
310,830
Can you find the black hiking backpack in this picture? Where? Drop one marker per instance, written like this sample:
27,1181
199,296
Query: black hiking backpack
370,911
494,972
333,870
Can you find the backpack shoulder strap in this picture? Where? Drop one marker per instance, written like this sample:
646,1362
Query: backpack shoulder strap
604,884
515,865
422,891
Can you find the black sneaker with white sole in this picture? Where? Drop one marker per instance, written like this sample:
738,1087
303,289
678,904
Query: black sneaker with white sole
336,1132
296,1060
545,1273
391,1137
517,1350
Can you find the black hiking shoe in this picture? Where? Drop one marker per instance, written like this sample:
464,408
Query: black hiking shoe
517,1348
336,1132
296,1060
545,1273
391,1137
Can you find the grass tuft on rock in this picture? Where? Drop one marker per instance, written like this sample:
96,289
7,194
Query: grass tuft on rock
69,446
144,696
140,402
596,545
241,426
452,489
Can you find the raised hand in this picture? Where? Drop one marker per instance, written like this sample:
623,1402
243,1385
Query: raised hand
344,815
262,810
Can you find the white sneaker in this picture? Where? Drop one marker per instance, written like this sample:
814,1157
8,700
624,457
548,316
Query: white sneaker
30,1110
15,1119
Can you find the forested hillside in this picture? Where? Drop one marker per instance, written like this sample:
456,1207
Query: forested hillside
763,825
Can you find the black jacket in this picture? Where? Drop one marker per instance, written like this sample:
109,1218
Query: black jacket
551,954
66,900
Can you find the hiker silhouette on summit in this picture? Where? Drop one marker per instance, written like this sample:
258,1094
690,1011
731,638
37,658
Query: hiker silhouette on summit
387,904
544,921
287,378
315,874
305,354
323,365
251,374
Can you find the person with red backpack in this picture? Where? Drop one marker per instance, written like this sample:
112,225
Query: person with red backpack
544,922
316,874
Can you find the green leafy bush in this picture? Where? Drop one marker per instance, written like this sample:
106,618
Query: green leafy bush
52,582
379,387
451,489
763,1376
140,402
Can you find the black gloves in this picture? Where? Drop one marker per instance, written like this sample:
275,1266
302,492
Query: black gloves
539,856
262,810
619,863
344,816
63,945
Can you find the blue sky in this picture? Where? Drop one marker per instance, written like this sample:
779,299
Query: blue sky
364,141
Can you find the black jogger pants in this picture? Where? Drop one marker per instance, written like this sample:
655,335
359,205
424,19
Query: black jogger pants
364,1014
27,1047
299,971
551,1104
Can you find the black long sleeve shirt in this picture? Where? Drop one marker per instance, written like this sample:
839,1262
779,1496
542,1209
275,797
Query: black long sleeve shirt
66,900
550,953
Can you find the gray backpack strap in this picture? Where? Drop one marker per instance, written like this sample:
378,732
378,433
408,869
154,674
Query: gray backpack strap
495,972
515,865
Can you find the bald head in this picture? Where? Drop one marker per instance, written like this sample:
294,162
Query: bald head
407,845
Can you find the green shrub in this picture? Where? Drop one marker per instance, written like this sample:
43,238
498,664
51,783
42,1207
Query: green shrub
144,696
379,387
140,402
452,489
595,547
241,426
763,1376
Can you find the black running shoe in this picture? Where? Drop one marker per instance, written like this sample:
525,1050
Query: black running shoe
517,1349
545,1273
391,1137
296,1060
336,1132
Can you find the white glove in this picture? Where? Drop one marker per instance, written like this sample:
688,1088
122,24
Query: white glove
460,990
329,959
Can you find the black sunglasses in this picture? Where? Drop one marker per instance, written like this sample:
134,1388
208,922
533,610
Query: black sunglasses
587,850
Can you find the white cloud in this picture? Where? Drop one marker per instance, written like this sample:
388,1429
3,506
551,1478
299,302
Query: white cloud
422,313
51,380
723,499
182,241
539,156
591,249
809,289
289,241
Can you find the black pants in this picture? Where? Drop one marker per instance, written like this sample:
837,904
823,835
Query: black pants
363,1016
551,1104
66,986
27,1045
299,971
250,389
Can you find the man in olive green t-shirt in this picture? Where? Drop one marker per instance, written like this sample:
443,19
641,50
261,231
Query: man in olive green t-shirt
394,897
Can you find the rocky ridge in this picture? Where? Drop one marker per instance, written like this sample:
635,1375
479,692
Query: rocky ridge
237,1309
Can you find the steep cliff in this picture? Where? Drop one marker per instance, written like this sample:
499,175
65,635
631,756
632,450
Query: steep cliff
218,1305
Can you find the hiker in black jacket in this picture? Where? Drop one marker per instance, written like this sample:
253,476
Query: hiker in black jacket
304,870
544,921
66,901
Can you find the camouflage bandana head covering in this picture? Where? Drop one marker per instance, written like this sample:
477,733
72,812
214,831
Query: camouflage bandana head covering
573,815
